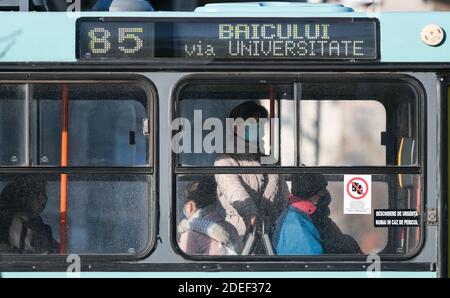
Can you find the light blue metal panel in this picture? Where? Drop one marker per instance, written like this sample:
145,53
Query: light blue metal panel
401,41
37,37
50,37
244,275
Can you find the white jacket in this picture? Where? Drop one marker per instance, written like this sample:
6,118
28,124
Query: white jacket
246,195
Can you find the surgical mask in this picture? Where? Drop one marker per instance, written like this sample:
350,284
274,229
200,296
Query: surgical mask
251,133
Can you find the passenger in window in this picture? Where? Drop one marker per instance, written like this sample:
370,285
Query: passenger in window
204,231
246,198
295,233
27,232
310,201
7,210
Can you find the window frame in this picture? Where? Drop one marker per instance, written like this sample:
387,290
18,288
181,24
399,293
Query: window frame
150,171
297,79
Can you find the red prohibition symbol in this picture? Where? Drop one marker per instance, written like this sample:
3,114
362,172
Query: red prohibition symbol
354,183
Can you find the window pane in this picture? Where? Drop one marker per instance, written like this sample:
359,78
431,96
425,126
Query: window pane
106,214
312,222
204,132
105,125
358,124
13,125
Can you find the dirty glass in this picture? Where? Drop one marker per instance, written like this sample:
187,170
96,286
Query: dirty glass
332,229
328,125
13,125
106,214
108,124
205,131
359,124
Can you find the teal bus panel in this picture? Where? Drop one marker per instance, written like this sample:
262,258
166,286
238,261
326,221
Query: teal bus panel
50,37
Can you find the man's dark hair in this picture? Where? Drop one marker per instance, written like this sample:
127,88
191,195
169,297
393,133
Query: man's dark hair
248,109
202,192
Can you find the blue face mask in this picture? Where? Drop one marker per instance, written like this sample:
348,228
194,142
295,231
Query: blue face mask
251,133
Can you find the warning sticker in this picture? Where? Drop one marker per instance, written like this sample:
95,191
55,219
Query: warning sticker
357,194
396,218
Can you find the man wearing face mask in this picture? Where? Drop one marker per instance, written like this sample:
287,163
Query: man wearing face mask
305,227
249,198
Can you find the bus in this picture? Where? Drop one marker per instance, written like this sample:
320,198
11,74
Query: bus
120,120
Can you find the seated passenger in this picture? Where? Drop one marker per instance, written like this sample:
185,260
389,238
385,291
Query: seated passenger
308,215
6,216
295,233
204,231
27,233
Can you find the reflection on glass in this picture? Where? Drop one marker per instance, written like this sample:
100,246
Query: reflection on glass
311,221
337,122
107,214
358,123
13,125
342,133
201,105
105,125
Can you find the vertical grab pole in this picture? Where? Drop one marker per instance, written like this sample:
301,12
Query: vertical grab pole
64,163
272,95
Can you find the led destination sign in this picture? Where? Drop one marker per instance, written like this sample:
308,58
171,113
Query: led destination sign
277,40
291,39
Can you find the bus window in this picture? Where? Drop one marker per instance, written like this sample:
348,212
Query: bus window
107,214
358,124
327,126
339,233
87,126
205,111
355,127
105,125
13,125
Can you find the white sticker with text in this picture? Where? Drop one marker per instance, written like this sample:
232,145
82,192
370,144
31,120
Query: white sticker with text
357,194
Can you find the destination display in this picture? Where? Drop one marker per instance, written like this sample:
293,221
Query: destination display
276,40
115,40
218,39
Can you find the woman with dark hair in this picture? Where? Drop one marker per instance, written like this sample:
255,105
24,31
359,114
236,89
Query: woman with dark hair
21,205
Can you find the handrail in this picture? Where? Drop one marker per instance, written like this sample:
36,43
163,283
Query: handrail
64,163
